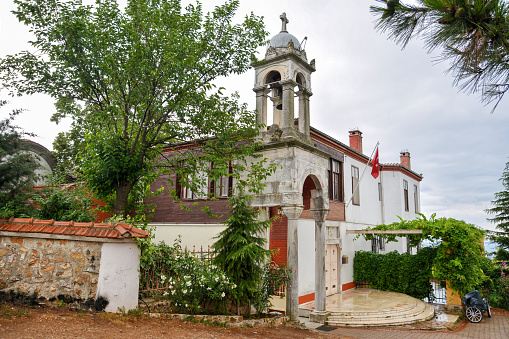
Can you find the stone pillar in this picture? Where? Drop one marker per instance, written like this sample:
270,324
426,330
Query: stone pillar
304,115
319,210
292,291
261,104
287,119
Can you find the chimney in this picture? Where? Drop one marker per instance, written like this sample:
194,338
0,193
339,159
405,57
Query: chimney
356,139
405,158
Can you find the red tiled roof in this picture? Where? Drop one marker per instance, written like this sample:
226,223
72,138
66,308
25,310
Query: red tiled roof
84,229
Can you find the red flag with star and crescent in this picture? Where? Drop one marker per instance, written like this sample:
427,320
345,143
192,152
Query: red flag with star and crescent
375,171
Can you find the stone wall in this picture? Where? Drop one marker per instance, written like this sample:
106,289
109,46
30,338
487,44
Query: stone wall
47,269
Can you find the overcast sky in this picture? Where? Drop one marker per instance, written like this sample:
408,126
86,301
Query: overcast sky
400,98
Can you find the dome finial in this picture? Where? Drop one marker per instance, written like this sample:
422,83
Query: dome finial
285,20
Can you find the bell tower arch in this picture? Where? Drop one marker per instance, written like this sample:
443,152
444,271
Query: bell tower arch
283,75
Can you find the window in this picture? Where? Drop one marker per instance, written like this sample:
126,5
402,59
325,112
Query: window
335,180
416,199
405,192
356,197
222,187
186,193
377,244
192,186
374,244
381,243
379,191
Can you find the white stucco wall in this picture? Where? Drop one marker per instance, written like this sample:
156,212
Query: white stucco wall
118,275
192,234
306,231
394,203
369,211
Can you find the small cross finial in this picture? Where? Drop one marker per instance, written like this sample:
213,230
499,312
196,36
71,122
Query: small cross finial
285,20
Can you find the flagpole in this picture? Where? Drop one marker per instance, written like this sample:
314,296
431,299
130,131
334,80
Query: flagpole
382,202
363,172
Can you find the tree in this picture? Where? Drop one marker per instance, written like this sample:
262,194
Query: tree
472,33
501,219
17,168
138,80
240,251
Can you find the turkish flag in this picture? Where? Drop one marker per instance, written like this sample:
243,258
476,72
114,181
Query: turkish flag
375,171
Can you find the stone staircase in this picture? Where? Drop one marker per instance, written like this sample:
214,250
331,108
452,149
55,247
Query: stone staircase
362,307
406,314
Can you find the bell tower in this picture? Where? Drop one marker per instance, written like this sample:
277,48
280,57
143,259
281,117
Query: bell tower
283,75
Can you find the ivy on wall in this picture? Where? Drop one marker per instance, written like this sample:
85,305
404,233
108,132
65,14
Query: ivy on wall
403,273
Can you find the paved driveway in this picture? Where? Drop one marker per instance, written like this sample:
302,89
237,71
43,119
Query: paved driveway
496,327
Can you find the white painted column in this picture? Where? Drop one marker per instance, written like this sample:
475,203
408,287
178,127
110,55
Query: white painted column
319,210
292,291
320,247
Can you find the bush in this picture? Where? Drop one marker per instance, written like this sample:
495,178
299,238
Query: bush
65,204
499,293
196,285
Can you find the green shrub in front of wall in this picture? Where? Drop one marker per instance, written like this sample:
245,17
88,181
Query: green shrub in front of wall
403,273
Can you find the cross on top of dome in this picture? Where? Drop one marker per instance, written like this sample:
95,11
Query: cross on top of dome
284,20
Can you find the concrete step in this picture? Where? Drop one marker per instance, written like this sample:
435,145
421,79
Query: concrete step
408,306
421,312
418,308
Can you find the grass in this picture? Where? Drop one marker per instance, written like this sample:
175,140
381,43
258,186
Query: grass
193,319
7,312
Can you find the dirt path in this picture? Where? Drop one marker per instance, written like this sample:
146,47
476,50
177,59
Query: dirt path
44,322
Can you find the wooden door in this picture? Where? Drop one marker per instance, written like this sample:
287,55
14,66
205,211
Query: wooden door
331,269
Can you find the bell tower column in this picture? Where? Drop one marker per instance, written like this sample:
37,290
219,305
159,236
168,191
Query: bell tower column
304,125
261,105
288,111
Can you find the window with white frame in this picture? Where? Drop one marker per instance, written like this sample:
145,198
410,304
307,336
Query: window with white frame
405,193
356,197
416,199
200,187
222,187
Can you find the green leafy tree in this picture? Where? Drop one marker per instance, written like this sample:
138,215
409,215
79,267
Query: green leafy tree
17,168
240,252
472,33
501,217
140,79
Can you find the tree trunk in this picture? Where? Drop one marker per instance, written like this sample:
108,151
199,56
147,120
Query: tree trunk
121,196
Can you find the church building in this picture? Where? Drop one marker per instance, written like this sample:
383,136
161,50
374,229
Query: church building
323,189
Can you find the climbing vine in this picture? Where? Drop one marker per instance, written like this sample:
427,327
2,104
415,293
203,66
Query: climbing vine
459,249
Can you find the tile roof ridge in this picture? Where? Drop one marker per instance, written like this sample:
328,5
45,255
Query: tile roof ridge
110,230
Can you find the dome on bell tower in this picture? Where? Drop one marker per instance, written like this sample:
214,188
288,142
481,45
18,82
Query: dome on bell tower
283,41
